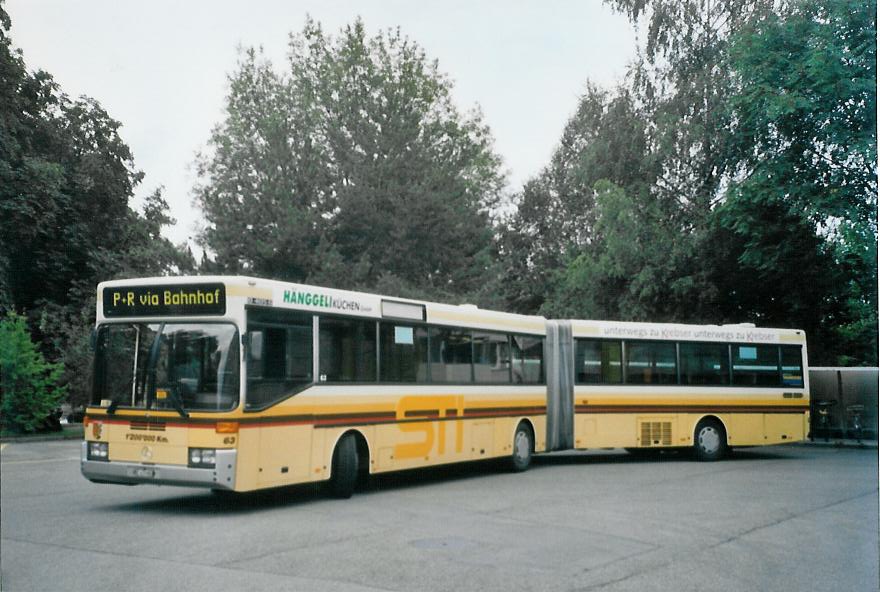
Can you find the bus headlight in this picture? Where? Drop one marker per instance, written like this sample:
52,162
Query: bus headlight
203,458
99,451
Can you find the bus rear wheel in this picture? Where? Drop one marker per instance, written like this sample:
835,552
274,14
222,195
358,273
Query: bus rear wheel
344,470
523,447
710,440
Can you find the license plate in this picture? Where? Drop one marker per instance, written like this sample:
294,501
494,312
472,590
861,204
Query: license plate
143,473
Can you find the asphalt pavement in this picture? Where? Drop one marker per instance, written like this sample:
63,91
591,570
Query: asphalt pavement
794,517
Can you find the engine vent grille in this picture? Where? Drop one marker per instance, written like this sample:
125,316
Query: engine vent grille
656,433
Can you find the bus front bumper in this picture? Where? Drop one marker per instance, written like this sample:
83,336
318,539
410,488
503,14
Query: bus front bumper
222,476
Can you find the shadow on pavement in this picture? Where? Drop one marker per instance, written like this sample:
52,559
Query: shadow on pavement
644,456
236,503
209,502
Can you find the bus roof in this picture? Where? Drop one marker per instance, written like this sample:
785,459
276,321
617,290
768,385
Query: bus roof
241,291
743,332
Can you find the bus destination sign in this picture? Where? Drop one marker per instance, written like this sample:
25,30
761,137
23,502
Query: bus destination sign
170,300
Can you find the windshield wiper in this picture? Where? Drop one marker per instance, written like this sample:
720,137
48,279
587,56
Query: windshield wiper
177,403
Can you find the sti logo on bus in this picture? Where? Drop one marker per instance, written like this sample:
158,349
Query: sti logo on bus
172,300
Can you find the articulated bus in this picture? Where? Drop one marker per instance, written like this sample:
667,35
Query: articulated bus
240,384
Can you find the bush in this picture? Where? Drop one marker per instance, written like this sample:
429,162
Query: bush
67,331
29,391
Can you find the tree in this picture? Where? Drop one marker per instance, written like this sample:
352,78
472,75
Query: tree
28,384
760,119
683,83
557,211
683,80
629,269
64,186
351,166
66,182
593,237
806,110
805,137
771,268
66,179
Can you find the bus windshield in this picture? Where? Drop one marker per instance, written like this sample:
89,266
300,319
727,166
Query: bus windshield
170,366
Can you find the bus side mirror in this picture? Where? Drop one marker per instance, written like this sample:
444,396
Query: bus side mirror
93,340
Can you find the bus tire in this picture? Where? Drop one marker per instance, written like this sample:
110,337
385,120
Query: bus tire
523,447
710,440
344,469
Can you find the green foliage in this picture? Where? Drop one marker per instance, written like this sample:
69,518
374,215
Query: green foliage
631,270
28,384
66,180
556,214
806,111
682,89
593,236
806,140
351,165
746,181
683,80
772,269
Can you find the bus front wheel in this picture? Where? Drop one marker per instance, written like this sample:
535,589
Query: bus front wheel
344,470
710,440
523,447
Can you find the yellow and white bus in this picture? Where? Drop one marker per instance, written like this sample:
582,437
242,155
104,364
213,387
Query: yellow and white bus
239,384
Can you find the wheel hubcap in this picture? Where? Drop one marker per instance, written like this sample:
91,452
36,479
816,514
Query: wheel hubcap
521,446
710,439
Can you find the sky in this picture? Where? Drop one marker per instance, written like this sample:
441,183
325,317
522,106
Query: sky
161,67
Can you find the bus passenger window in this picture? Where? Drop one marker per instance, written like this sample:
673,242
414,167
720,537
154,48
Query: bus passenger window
491,358
650,363
451,355
528,359
792,366
756,365
597,362
348,350
403,354
704,363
